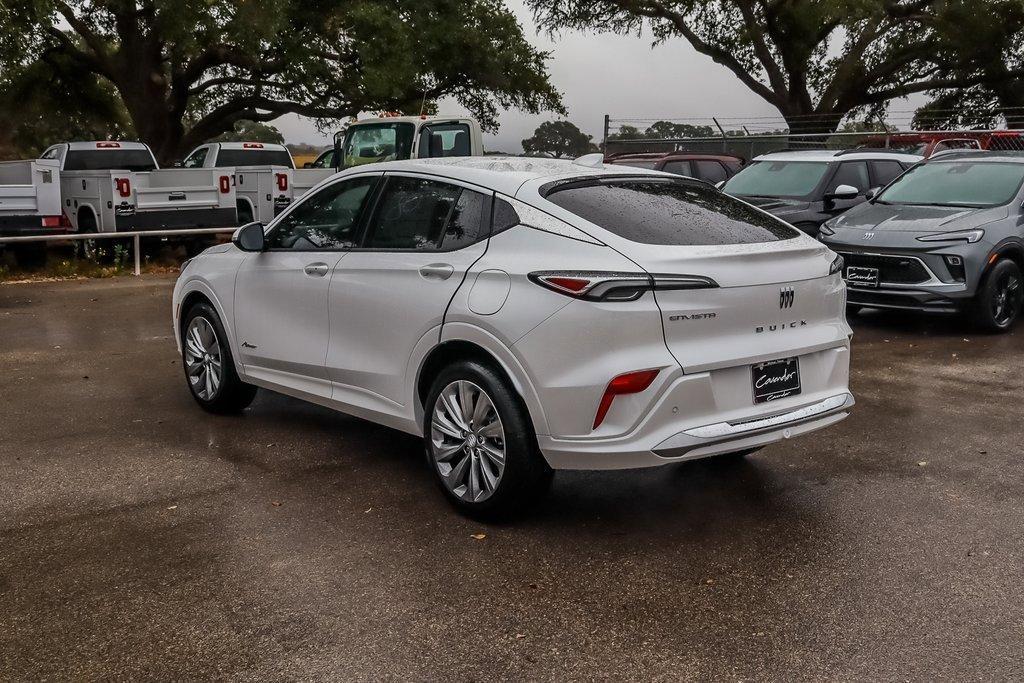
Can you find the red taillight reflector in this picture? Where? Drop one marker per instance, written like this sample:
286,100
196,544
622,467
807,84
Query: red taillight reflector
629,383
124,186
282,181
225,184
252,145
572,284
53,221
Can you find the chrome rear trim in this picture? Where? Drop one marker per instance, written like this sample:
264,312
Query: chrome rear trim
708,435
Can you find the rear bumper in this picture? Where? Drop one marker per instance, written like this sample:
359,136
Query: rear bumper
710,413
26,226
177,219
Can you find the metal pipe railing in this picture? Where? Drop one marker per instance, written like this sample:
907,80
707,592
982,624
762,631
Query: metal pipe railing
136,236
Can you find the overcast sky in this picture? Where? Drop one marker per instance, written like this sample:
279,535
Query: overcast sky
600,74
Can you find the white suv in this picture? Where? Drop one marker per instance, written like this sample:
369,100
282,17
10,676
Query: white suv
526,315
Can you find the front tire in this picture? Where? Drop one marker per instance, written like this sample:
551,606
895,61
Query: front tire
997,305
480,442
208,363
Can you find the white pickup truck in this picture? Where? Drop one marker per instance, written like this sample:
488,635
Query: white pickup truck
30,205
396,138
266,178
110,186
264,174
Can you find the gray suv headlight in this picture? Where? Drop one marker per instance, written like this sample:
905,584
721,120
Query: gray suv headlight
837,265
970,236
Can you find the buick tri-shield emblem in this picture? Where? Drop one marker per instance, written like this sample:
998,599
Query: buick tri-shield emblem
786,296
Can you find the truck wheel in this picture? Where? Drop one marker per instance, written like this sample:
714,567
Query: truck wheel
208,363
997,305
244,212
99,251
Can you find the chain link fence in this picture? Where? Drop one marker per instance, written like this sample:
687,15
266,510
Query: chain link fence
751,137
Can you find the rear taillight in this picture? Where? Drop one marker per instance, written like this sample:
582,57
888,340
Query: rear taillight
629,383
282,181
124,186
53,221
607,286
225,184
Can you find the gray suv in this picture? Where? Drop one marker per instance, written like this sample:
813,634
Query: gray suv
805,188
947,236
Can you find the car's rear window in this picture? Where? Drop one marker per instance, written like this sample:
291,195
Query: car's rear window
109,160
667,211
636,163
254,157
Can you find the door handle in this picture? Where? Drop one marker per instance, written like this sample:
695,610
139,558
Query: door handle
316,269
437,271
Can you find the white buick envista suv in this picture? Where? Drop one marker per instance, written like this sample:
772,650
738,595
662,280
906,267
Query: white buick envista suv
526,315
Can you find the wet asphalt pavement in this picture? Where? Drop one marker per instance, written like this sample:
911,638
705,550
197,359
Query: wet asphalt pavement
141,538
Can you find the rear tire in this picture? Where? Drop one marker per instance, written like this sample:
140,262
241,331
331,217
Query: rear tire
243,211
208,364
480,442
997,305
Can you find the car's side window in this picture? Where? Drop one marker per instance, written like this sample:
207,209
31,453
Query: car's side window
412,214
885,172
853,173
711,171
678,167
50,153
196,158
468,223
328,219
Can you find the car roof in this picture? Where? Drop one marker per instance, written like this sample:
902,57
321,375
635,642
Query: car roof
1007,156
410,119
273,146
505,174
106,144
833,154
668,156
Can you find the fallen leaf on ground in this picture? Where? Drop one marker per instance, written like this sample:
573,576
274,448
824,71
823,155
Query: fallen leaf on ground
478,537
276,503
922,463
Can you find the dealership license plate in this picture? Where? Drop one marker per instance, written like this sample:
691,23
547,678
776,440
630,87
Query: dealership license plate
775,379
859,276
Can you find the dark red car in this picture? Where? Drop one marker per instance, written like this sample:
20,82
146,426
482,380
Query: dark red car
712,168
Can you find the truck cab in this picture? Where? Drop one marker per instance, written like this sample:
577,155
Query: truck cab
396,138
239,155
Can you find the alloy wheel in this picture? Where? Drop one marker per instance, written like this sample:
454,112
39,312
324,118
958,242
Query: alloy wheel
467,441
203,358
1006,300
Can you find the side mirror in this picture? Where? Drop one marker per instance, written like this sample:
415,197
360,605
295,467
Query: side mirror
843,192
250,237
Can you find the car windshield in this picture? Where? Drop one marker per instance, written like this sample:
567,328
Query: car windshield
655,210
957,183
777,179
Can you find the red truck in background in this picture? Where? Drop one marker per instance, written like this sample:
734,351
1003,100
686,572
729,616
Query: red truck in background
927,143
